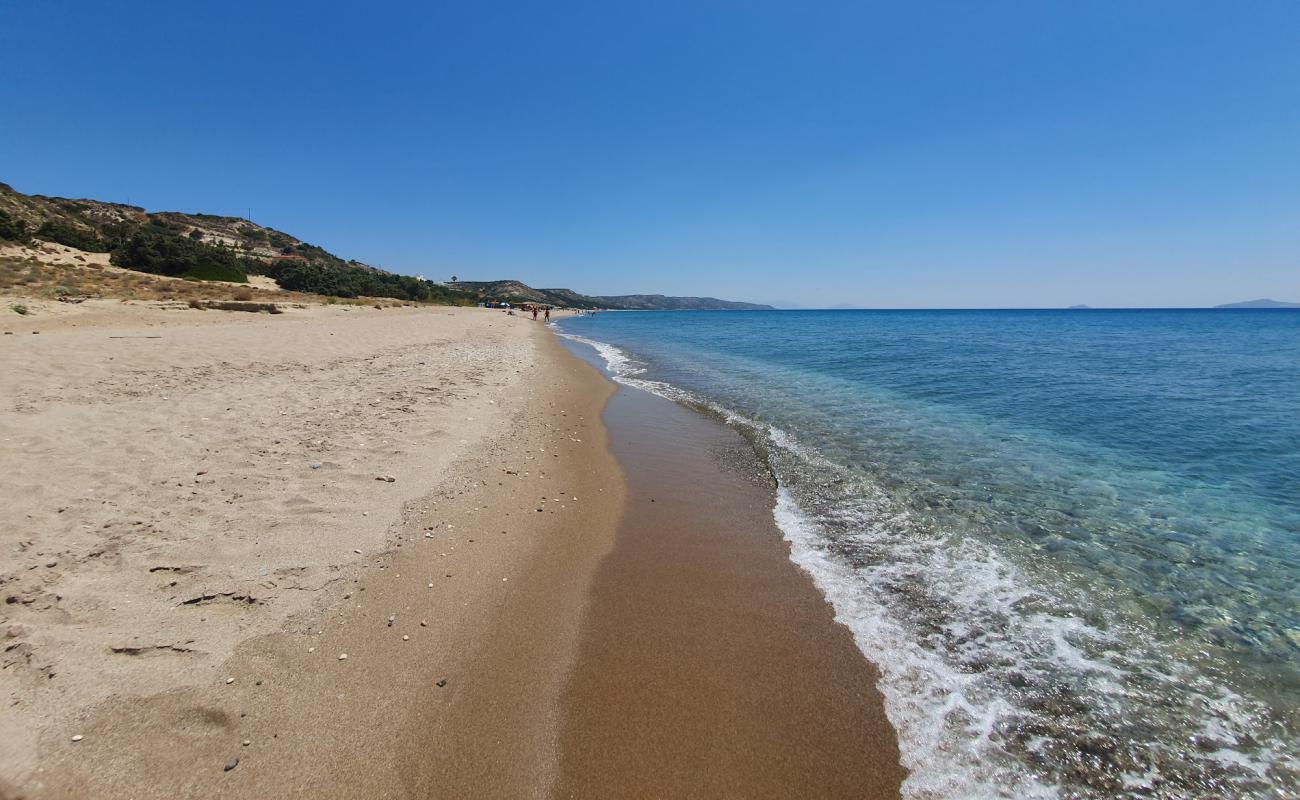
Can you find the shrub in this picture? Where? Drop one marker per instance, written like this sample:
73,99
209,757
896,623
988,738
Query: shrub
13,230
73,236
243,295
19,308
345,280
180,257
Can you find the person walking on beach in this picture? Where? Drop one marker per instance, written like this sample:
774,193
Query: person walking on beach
534,313
548,313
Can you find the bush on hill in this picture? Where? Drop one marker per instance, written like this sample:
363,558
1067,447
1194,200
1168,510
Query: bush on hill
181,257
13,230
66,234
342,280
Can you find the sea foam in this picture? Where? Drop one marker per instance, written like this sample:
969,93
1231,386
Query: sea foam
1000,683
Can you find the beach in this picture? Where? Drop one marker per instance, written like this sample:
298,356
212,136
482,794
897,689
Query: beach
351,552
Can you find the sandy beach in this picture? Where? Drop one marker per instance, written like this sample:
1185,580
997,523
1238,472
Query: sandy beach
353,552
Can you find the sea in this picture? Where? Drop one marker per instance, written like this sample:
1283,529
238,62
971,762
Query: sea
1070,540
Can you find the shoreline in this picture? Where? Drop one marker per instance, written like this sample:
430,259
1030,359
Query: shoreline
467,593
710,663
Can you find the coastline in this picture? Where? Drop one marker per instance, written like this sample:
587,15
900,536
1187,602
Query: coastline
710,665
470,594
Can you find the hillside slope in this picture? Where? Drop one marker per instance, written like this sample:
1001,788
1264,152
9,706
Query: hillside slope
518,292
203,247
659,302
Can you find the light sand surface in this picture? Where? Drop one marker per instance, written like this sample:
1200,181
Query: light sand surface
213,588
204,506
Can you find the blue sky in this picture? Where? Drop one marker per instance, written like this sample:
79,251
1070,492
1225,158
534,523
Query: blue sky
891,155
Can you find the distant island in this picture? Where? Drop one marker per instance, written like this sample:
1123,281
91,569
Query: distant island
518,292
1262,303
1080,307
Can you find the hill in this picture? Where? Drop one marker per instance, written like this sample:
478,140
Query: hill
517,292
513,291
1263,303
661,302
208,247
203,247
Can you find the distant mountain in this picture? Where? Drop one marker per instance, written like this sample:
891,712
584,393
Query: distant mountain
1080,307
518,292
1263,303
512,291
659,302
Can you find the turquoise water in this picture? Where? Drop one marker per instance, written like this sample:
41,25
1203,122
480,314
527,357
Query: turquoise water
1070,539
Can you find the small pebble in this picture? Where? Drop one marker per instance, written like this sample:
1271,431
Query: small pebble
391,619
229,681
77,738
441,683
231,764
423,624
247,742
343,656
406,638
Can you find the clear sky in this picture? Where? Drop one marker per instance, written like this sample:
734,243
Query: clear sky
813,153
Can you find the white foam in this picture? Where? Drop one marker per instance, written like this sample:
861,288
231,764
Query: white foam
955,721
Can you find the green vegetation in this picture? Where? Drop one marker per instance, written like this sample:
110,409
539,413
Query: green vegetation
13,230
199,247
19,308
66,233
344,280
181,257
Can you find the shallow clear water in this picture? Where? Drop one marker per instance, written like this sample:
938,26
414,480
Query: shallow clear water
1071,540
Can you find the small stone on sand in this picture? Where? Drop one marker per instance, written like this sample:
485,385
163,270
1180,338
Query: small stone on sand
229,681
231,764
343,656
77,738
406,638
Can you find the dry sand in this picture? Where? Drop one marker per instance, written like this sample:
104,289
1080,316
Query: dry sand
183,510
198,525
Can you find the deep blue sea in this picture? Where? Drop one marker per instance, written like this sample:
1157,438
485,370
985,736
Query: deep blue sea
1069,539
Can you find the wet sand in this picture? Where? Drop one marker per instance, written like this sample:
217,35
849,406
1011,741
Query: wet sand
538,606
709,665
